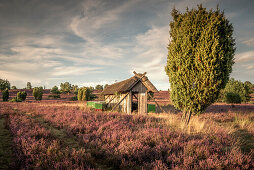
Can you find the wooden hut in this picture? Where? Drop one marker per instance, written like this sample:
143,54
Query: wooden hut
120,95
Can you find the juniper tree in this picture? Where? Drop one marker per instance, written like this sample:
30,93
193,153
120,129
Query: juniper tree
200,58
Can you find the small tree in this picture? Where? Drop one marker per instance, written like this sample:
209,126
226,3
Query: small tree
21,95
65,87
28,85
232,98
106,85
84,94
5,94
238,88
13,87
200,58
4,84
55,90
37,93
98,87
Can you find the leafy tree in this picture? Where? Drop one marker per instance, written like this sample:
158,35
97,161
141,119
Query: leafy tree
84,94
37,93
75,89
99,87
28,85
106,85
200,58
249,87
21,95
13,87
5,94
238,88
65,87
4,84
55,90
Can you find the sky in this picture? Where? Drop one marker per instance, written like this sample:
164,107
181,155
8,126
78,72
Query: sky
90,42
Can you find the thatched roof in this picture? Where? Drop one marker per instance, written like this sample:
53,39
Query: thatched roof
126,85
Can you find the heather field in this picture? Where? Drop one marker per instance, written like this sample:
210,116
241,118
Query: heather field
46,135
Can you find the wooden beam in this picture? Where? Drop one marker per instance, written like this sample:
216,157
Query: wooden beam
156,102
120,101
135,96
111,100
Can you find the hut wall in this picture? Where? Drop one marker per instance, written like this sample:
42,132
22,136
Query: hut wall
139,87
124,106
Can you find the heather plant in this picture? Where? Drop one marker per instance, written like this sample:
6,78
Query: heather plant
200,58
37,93
138,141
21,95
5,94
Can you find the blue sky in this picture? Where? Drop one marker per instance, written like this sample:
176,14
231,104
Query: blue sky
90,42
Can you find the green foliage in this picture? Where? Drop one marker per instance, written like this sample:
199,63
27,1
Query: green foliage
15,99
84,94
75,89
13,87
200,58
21,95
232,98
5,94
4,84
55,90
249,87
65,87
99,87
237,87
54,96
106,85
37,93
28,85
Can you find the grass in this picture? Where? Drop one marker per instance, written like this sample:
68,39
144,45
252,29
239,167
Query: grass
6,152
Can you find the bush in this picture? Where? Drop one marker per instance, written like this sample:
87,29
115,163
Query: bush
5,94
21,95
15,99
237,87
65,87
74,98
37,93
55,90
232,98
54,96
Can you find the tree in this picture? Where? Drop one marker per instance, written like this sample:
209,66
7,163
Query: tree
84,94
5,94
28,85
99,87
13,87
106,85
55,90
4,84
65,87
37,93
236,87
200,58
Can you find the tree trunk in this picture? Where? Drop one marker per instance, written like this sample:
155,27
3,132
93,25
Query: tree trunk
187,119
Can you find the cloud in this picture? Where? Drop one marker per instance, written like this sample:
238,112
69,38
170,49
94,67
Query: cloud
244,57
249,42
72,70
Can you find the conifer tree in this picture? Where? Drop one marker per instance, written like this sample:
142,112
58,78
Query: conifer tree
200,58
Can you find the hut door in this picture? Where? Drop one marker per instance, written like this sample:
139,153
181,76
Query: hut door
142,103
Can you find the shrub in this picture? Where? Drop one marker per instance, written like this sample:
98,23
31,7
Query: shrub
200,58
5,94
232,98
15,99
13,87
37,93
55,90
21,95
54,96
237,87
